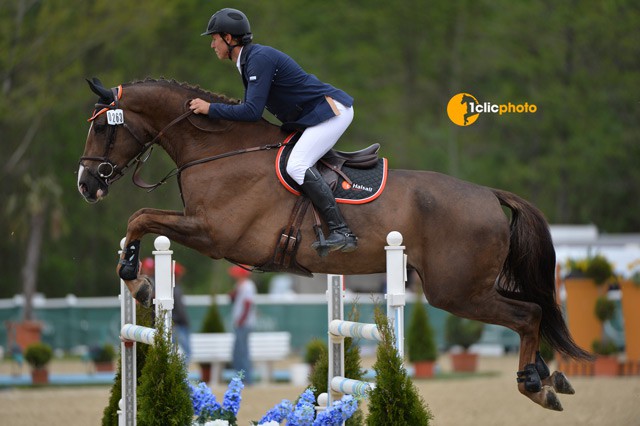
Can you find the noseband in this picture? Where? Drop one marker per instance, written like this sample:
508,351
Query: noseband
107,171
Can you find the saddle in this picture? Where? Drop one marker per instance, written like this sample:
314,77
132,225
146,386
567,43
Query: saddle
355,178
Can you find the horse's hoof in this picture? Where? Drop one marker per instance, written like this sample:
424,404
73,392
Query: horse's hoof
561,383
551,401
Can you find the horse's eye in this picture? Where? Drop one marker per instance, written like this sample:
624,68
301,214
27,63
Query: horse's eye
98,128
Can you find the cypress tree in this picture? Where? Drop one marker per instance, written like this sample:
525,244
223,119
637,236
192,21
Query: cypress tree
420,340
212,321
395,399
164,396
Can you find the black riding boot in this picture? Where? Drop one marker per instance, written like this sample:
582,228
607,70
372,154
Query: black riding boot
340,236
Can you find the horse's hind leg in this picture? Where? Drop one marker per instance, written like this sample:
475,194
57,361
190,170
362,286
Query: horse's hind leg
522,317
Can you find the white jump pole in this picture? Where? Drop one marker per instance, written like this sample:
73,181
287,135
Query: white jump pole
396,280
132,333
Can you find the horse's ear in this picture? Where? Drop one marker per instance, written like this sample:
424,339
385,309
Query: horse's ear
97,88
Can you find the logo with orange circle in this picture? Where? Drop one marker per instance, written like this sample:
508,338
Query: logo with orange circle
460,107
464,109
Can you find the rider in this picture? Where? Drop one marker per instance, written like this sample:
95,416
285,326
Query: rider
299,100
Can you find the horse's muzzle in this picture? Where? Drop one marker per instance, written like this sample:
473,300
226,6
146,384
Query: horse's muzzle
92,188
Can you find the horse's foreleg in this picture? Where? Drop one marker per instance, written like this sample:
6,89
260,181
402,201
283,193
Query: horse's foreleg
153,211
184,230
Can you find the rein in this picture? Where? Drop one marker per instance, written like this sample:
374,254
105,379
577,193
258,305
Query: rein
180,169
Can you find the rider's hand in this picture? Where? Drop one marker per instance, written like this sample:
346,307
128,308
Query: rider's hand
199,106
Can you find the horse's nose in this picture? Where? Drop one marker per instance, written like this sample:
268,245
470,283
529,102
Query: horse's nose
84,189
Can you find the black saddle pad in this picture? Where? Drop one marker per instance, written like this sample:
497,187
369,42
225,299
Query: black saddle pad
366,184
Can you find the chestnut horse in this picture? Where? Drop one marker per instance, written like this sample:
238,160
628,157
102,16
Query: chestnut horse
472,259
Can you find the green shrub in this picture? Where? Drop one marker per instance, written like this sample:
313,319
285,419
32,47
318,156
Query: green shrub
105,353
212,321
599,269
395,399
604,309
604,347
164,395
38,354
420,338
314,350
462,331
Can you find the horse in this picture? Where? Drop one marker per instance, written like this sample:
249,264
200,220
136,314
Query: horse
473,259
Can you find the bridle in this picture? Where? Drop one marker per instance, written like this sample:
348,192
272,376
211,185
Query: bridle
108,172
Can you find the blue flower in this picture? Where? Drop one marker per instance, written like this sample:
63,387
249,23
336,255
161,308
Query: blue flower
278,413
232,396
202,399
304,411
338,412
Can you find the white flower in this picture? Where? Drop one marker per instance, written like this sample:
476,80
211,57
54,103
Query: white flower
217,423
271,423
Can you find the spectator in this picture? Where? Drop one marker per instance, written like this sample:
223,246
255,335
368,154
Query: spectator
244,318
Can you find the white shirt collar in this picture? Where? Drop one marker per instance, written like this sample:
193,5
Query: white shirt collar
238,61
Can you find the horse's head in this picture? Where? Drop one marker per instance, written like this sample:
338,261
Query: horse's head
111,145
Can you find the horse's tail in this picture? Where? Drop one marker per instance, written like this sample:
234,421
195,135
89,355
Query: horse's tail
528,272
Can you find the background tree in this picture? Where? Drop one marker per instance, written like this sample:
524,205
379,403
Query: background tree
575,158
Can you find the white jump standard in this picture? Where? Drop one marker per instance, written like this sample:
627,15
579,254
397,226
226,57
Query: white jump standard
131,333
339,328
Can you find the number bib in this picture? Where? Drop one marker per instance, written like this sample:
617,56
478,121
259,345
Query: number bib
115,117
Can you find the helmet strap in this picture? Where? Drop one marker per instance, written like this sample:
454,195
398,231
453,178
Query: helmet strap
230,47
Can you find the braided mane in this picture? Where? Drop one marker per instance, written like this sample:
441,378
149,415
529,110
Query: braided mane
197,90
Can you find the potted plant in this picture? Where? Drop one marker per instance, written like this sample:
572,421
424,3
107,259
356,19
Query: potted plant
606,363
464,333
585,283
630,287
103,357
421,344
38,355
301,372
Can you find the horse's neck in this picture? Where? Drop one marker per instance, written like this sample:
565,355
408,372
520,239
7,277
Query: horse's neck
189,143
194,137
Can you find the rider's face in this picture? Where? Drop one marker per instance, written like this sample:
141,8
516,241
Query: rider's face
220,47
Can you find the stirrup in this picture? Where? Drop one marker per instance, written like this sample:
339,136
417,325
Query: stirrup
344,241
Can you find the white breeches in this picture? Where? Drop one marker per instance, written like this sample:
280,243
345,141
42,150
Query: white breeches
317,141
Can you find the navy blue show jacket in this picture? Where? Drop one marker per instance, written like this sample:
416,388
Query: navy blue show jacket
274,81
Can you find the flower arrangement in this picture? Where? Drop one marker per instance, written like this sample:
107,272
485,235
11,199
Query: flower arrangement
304,412
598,268
210,412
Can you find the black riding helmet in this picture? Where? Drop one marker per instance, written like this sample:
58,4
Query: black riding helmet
230,21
